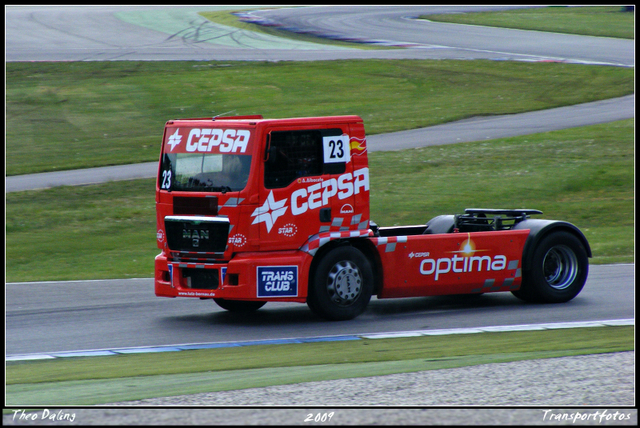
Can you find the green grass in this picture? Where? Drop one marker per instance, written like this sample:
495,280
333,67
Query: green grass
581,175
607,21
84,114
98,380
82,232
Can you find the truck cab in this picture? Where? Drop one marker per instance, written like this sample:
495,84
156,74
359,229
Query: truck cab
238,197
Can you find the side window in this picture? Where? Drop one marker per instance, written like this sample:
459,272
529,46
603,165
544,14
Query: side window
294,154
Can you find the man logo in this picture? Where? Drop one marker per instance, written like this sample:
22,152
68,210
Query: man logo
346,209
195,236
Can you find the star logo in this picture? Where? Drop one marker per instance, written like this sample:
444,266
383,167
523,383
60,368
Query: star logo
468,247
269,212
174,139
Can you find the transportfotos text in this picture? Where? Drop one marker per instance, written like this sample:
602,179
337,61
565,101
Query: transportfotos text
599,416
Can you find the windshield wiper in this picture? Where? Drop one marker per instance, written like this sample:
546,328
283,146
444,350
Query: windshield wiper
208,185
222,189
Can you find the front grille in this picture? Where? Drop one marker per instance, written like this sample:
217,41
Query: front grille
197,234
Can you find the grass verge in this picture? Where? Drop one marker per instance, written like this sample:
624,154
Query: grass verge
84,114
605,21
581,175
99,380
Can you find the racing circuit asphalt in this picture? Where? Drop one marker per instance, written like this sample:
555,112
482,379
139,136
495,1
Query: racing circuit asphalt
120,313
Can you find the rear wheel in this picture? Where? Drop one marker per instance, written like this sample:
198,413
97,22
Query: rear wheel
239,305
342,284
559,269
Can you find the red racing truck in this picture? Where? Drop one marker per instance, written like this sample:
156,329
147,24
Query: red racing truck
252,210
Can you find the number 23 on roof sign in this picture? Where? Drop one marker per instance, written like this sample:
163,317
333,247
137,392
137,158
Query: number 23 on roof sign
336,149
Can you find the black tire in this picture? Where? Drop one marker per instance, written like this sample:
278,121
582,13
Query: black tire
341,287
239,305
559,269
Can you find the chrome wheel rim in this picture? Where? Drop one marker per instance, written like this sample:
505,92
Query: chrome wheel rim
344,283
560,267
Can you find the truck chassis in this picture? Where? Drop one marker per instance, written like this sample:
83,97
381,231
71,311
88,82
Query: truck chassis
295,227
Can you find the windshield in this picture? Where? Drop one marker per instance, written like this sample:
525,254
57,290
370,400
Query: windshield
199,172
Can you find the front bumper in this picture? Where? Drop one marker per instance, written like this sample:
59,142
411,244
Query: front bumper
273,276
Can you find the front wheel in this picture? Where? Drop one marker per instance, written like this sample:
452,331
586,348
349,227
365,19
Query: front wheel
239,305
342,284
559,269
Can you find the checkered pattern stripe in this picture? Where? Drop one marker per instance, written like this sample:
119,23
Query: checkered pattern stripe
192,257
343,224
190,266
389,242
318,240
507,285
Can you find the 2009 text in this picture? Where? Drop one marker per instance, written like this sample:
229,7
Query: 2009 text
319,417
